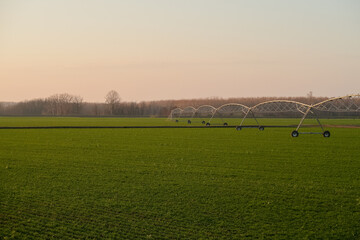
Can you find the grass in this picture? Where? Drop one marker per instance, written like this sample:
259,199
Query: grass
82,121
177,183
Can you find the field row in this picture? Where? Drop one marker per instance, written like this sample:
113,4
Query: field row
78,121
179,183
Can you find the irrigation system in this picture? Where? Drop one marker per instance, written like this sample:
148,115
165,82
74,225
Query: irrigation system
349,104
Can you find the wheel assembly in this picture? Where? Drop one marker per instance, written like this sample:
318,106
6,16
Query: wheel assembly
295,133
225,124
326,134
261,128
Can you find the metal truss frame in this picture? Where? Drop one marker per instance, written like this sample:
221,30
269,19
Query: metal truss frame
348,103
173,113
229,108
188,113
204,109
275,106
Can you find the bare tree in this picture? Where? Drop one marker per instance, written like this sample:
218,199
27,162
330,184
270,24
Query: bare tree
63,104
66,104
112,99
2,108
310,96
77,102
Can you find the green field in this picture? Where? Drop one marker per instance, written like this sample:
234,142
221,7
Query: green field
177,183
82,121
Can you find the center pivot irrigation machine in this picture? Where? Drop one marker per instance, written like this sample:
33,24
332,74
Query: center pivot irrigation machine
340,106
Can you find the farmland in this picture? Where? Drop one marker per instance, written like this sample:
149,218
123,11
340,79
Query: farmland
177,183
83,121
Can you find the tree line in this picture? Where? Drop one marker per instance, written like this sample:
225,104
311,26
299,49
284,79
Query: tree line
73,105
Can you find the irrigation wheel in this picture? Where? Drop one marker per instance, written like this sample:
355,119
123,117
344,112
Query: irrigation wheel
295,133
326,134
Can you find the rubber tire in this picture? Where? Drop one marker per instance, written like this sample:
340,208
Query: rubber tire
189,121
207,124
203,122
176,120
225,124
261,128
326,134
238,128
294,133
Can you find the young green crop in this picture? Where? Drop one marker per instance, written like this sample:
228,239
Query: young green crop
116,121
178,183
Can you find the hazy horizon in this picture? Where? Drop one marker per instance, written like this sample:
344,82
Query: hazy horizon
178,99
157,50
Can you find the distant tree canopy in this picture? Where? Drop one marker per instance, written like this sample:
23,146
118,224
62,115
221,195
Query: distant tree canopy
112,99
65,104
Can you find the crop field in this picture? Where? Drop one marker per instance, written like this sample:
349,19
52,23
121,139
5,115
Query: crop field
209,183
82,121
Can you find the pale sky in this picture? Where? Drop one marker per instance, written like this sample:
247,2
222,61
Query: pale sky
167,49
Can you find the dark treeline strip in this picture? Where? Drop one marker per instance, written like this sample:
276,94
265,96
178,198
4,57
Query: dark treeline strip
72,105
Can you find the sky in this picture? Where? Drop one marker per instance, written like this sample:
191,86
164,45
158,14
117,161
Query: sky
175,49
